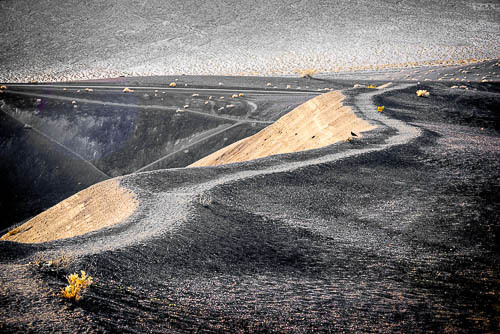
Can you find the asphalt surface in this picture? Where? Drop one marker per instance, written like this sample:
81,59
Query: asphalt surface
77,40
394,232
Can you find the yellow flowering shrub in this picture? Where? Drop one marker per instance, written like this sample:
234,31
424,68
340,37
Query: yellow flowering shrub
422,93
76,285
380,109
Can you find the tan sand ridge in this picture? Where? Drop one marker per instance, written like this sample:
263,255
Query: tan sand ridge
318,122
103,204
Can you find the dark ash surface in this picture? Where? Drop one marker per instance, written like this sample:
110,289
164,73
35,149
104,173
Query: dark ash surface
403,239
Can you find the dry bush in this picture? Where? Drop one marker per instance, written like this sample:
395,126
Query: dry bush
307,73
12,231
61,262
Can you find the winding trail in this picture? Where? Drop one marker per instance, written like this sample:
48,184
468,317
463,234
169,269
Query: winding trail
165,210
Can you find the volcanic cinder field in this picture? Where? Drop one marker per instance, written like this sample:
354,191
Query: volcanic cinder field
250,167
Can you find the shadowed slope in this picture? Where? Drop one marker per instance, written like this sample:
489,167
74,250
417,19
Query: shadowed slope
36,172
318,122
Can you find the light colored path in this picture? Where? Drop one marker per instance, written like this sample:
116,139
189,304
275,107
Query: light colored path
169,209
163,211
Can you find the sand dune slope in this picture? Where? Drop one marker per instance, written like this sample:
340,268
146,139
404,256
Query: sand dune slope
318,122
98,206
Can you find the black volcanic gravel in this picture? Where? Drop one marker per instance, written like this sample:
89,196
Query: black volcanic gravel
403,239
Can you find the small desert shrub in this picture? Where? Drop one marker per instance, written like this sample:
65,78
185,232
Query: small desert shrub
423,93
307,73
76,286
58,263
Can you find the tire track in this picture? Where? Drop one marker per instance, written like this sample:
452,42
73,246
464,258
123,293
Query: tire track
144,168
126,105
